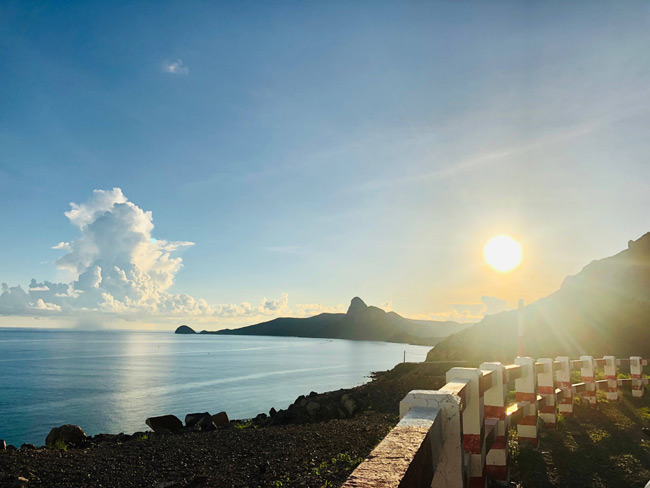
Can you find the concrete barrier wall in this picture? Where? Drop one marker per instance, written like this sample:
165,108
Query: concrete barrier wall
457,437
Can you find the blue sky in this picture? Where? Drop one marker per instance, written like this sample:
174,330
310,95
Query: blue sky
324,150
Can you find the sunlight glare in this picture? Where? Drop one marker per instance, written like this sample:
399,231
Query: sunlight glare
502,253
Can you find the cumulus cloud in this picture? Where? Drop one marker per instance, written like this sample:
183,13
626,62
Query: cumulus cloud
175,67
493,305
117,267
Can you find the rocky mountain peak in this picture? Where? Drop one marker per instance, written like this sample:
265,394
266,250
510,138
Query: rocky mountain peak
356,305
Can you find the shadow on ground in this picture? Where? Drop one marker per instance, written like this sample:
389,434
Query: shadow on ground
602,448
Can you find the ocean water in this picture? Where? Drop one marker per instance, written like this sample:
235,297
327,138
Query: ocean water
110,382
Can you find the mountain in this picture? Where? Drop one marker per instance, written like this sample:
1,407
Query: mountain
603,310
361,322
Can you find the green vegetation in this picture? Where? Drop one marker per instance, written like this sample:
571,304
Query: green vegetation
244,424
594,448
342,462
59,445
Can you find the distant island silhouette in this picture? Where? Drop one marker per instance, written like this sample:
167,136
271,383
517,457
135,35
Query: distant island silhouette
361,322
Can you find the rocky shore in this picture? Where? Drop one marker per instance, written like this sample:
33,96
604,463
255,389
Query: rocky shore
315,442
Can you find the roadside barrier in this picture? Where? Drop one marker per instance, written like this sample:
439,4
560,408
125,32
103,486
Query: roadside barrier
457,437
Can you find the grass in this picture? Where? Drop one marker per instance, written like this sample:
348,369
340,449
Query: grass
244,424
594,448
59,445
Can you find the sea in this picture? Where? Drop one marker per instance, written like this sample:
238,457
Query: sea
111,381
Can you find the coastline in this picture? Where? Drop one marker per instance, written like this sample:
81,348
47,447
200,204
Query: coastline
288,447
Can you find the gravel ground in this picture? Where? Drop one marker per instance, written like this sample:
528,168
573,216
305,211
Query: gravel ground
292,455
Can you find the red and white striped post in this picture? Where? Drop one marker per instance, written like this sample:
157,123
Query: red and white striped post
546,388
472,421
636,372
494,401
611,377
563,378
520,329
587,372
526,391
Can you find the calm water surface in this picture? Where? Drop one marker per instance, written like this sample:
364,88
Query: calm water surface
112,381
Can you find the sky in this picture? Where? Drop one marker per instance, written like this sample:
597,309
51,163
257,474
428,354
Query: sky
223,163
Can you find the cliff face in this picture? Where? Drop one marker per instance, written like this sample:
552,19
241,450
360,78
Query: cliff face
603,310
361,322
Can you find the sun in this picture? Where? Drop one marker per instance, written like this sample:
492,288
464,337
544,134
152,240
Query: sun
502,253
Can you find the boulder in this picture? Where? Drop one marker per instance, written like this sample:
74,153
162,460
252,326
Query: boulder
220,419
3,445
67,435
349,404
165,422
194,418
27,447
206,424
272,412
260,417
312,408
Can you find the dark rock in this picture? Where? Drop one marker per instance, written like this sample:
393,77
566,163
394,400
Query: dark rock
313,394
27,447
272,412
11,448
105,438
184,329
312,408
165,422
20,482
206,424
220,419
3,445
299,400
260,417
68,435
349,404
194,418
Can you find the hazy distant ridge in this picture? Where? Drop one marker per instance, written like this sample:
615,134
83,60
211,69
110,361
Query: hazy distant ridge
603,310
361,322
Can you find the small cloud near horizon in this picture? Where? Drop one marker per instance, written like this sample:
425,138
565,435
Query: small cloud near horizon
468,312
175,67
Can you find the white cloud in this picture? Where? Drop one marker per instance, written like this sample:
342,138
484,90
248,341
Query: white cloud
118,268
468,312
310,309
175,67
62,245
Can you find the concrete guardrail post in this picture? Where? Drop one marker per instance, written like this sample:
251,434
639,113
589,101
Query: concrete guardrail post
563,378
587,372
611,377
526,391
450,468
546,388
494,401
636,373
473,430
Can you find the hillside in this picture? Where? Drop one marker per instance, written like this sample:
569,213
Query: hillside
603,310
361,322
